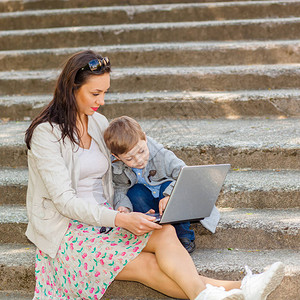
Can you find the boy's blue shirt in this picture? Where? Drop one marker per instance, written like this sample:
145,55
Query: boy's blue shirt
140,179
163,165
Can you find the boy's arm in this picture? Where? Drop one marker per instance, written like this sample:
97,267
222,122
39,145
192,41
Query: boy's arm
121,186
121,199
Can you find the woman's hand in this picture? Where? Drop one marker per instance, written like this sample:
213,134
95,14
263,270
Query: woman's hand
162,204
137,223
123,209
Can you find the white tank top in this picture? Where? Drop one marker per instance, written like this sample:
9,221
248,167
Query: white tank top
93,165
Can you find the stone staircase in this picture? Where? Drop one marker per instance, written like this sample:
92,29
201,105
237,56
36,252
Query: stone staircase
214,81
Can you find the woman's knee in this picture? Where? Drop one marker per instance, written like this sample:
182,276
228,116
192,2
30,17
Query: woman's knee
140,269
162,238
167,232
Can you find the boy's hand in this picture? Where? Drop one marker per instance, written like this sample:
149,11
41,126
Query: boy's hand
150,211
162,204
123,209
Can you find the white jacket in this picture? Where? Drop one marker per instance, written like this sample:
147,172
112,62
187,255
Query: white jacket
53,176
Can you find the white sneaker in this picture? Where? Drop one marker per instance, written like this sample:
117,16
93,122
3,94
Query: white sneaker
259,286
218,293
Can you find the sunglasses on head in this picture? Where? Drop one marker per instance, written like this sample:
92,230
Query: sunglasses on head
97,65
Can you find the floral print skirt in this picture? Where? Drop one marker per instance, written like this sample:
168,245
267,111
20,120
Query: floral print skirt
87,262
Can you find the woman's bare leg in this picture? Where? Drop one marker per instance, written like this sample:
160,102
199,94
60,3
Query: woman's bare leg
173,272
144,269
175,261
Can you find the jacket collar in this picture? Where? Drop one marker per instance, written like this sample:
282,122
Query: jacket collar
118,166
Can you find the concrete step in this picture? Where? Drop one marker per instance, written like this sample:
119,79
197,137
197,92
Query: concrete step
254,29
261,189
167,54
253,229
155,13
13,224
15,295
17,264
242,188
13,186
245,143
238,228
220,78
176,105
23,5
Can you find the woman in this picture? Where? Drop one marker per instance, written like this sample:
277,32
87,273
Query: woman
82,243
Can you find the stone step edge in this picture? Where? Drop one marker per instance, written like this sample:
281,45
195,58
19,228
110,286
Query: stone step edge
186,108
187,130
243,188
284,221
213,263
132,9
14,255
237,229
267,144
237,180
189,54
143,26
21,5
187,133
183,31
147,47
255,103
38,101
268,70
216,78
15,295
136,14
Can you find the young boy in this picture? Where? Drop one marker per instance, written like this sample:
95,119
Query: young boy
144,173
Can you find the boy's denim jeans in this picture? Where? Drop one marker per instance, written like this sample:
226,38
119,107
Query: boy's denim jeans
143,200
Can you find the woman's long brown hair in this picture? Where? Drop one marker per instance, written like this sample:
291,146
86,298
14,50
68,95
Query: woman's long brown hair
62,109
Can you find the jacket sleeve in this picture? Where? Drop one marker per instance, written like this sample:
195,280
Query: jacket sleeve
121,199
46,152
172,166
121,187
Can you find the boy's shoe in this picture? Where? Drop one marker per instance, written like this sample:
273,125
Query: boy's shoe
259,286
218,293
188,244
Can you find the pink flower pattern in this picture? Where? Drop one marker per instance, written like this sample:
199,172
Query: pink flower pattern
86,263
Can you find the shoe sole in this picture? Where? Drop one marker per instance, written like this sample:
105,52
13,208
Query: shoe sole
278,273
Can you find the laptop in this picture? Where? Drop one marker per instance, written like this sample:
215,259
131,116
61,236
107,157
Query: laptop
194,194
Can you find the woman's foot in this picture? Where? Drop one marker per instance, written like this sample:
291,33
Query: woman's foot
218,293
259,286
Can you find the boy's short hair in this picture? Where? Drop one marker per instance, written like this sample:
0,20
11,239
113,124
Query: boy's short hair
122,134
